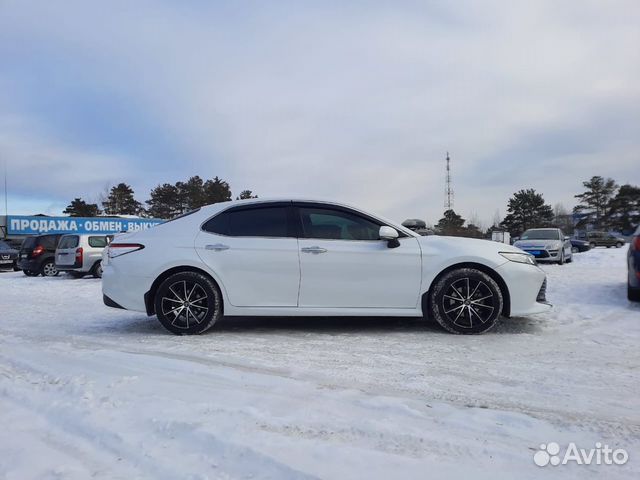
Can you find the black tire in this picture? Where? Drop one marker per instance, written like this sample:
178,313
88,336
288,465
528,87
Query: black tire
592,245
570,259
619,245
575,250
633,294
49,269
179,289
30,273
465,301
96,271
561,261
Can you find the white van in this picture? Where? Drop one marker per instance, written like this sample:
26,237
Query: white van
81,254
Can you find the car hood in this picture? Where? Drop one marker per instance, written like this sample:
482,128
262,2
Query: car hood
537,243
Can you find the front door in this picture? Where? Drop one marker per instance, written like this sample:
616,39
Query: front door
344,264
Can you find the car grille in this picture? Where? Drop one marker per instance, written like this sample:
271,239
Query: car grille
542,294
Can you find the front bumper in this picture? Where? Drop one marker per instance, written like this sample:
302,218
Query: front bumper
527,285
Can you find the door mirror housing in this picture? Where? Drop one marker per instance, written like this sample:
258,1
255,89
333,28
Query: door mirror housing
390,235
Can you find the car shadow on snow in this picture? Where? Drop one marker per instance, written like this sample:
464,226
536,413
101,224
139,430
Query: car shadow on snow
323,325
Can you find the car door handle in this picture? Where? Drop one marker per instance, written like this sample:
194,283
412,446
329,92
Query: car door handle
315,250
218,247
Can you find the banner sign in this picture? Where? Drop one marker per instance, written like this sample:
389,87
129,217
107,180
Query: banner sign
27,225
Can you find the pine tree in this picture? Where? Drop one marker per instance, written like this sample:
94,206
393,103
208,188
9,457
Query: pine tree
245,194
451,223
623,213
80,208
216,191
122,202
594,201
164,202
526,209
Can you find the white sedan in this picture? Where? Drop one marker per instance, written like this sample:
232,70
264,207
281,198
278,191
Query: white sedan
314,258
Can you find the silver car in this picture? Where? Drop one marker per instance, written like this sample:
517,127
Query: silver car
81,254
546,244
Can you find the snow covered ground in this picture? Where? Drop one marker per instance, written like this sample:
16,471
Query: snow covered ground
88,391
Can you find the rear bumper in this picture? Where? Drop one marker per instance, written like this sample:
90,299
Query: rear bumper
32,265
126,291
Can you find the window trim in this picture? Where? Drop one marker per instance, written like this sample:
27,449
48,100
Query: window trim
287,205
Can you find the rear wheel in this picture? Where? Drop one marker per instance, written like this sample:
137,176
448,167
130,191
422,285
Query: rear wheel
561,261
188,303
619,244
633,294
96,271
466,301
49,269
592,245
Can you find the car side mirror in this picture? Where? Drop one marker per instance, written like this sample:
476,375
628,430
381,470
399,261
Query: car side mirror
390,235
567,238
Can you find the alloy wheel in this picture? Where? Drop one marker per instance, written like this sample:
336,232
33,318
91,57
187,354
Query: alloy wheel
468,302
185,304
49,270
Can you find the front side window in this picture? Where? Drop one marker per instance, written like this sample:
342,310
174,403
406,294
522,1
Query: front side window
250,222
331,224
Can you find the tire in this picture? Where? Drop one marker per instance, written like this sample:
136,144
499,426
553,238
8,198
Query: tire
96,271
570,259
619,245
49,269
575,250
633,294
204,311
30,273
451,296
592,245
561,261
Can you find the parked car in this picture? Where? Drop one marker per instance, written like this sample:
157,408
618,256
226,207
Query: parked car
37,255
81,254
604,239
633,267
546,244
8,257
578,245
309,258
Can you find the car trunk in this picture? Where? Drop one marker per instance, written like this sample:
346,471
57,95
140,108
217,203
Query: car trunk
27,247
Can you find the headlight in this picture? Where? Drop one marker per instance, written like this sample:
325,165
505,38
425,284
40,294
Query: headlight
519,257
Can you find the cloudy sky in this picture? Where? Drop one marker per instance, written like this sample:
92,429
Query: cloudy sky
357,101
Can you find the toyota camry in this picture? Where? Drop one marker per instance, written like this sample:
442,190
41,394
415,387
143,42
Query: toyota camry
313,258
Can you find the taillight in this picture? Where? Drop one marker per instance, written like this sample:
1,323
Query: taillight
79,252
39,250
119,249
636,243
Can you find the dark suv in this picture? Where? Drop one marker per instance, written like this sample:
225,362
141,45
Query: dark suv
604,239
633,264
37,255
8,257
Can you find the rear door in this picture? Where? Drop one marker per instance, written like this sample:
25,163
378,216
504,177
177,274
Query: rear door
344,264
66,251
253,249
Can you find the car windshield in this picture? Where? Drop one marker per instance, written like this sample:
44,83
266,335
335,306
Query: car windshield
540,235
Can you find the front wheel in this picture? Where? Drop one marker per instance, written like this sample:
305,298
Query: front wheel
619,244
575,249
592,245
633,294
30,273
188,303
561,261
96,271
466,300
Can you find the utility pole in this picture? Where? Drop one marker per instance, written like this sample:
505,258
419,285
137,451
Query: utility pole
6,194
448,189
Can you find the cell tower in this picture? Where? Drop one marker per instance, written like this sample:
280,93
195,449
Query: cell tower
448,189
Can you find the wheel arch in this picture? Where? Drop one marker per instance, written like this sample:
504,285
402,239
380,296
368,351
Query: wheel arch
506,299
149,297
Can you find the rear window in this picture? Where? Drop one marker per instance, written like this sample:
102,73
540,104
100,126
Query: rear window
98,242
69,241
250,222
29,242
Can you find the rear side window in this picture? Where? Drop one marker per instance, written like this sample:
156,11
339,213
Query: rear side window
69,241
98,242
250,222
29,242
49,241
